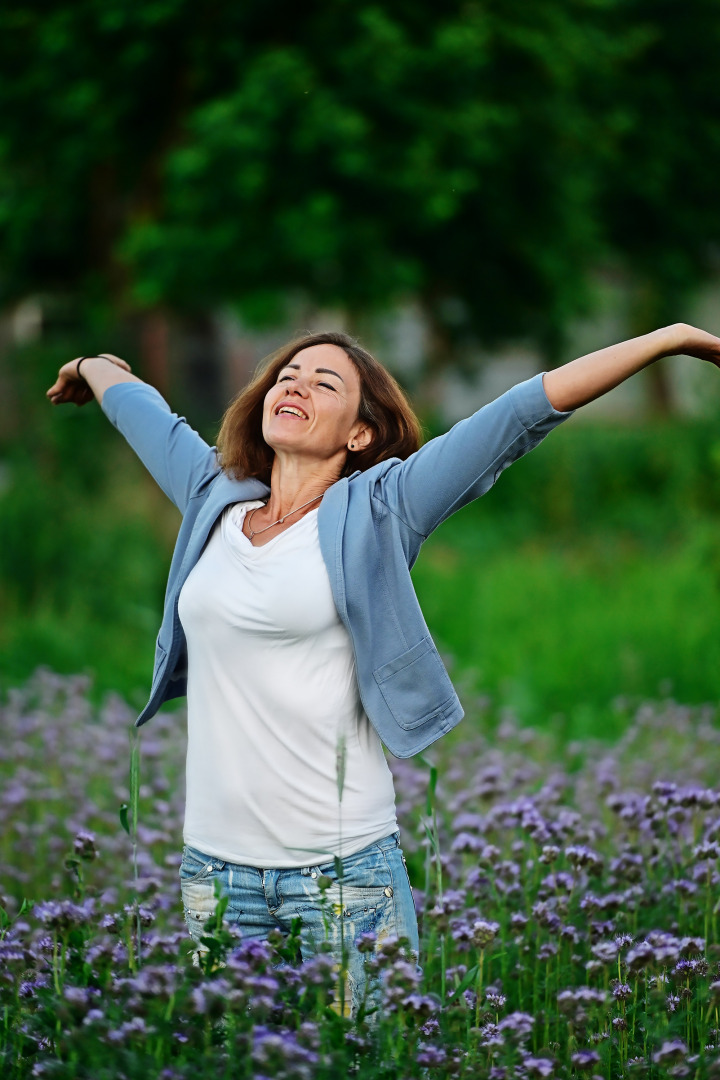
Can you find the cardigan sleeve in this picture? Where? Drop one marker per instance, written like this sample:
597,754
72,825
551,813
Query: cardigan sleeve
454,469
174,454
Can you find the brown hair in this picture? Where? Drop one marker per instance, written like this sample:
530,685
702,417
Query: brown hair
383,407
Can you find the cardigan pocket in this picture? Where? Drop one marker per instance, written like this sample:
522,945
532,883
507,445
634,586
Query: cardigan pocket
415,685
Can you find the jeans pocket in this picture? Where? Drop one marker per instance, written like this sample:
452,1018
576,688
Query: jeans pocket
352,901
199,903
196,867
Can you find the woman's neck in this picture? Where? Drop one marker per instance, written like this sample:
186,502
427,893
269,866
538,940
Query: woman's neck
293,483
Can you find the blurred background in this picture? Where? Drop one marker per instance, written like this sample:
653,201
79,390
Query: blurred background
480,191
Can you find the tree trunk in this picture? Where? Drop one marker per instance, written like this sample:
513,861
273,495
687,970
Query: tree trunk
660,393
154,335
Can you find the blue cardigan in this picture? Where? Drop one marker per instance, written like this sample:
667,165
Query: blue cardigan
371,526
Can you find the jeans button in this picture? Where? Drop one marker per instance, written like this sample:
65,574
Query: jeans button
389,891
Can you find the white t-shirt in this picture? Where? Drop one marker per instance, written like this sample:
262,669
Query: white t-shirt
272,700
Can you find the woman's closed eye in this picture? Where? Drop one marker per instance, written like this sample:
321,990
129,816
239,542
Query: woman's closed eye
291,378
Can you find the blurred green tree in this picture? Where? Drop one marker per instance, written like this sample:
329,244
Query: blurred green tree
659,189
482,156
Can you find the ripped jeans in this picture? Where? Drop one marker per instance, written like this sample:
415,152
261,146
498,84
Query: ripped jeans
376,898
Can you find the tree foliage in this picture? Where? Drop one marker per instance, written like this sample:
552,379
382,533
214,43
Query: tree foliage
483,156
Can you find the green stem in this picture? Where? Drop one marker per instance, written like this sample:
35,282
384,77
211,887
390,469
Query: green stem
478,987
56,973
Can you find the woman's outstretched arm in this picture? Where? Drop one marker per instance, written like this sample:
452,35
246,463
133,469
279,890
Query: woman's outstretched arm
175,455
98,374
589,377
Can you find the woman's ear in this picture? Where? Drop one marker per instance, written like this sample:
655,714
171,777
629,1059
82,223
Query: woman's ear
361,439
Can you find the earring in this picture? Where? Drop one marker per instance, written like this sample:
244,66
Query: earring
352,445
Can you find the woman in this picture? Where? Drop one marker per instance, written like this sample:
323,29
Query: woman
291,622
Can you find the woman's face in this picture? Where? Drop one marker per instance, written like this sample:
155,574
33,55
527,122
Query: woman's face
312,410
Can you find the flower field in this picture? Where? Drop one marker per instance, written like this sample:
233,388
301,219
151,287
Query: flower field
568,901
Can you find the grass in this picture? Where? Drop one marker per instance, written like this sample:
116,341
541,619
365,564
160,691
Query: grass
558,631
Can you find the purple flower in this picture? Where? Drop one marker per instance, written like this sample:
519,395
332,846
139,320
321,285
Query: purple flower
483,932
489,855
671,1052
691,946
538,1066
707,851
113,922
584,1060
490,1036
640,956
131,1029
64,914
452,900
421,1004
11,952
518,1025
366,942
94,1016
429,1057
430,1028
584,858
549,854
605,951
547,950
281,1056
466,842
85,845
494,999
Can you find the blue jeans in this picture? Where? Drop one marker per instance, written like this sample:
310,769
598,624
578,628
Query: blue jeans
376,898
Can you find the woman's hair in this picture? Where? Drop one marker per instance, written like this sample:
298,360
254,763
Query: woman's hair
383,407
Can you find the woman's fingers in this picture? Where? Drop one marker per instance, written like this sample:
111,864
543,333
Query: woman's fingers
69,388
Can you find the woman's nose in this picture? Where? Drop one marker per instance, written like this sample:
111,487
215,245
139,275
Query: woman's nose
297,386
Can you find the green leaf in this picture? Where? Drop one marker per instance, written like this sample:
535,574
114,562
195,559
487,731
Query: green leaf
465,983
430,833
432,785
124,818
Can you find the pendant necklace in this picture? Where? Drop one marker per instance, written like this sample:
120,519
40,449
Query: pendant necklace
256,532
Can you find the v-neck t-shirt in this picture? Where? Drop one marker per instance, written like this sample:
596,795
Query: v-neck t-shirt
284,768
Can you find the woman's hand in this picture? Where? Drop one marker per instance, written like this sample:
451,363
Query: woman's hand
698,343
71,387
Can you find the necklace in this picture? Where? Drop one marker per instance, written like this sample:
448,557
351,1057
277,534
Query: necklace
256,532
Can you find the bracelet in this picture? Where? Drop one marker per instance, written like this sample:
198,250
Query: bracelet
93,356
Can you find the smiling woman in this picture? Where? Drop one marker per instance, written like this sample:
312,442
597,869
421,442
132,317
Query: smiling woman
291,621
383,408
